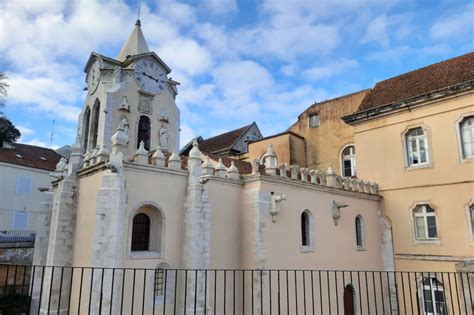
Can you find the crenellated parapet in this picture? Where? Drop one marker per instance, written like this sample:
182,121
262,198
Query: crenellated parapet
327,178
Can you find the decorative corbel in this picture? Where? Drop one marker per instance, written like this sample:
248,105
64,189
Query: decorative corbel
274,204
336,210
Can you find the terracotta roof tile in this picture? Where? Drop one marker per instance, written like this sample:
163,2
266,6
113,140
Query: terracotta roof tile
221,142
418,82
30,156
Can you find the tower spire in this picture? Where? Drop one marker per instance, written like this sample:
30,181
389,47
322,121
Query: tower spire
138,23
135,44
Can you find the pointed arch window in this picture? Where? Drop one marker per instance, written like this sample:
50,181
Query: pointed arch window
467,137
94,130
85,128
144,132
141,232
348,162
359,228
349,300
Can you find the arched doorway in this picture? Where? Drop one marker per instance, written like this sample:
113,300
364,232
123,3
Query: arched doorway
349,300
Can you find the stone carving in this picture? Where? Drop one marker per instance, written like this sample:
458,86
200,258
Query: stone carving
123,125
163,116
144,104
61,169
123,105
275,204
336,210
255,166
164,137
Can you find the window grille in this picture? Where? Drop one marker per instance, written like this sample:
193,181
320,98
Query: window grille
159,282
140,232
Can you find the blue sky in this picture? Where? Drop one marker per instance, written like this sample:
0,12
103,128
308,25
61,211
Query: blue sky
237,61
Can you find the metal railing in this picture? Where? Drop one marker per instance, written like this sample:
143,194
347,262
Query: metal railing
86,290
17,237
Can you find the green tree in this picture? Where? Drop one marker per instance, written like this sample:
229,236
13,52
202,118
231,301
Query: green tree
8,132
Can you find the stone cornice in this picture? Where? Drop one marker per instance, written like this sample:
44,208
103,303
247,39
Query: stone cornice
226,181
153,168
307,185
408,103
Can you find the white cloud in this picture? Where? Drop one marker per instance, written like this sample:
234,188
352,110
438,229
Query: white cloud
377,31
40,143
457,24
25,132
220,7
392,54
330,68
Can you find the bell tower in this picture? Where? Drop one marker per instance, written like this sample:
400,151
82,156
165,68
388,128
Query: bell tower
133,91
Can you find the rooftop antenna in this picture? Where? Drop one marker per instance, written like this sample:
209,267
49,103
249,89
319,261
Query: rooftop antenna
52,135
138,14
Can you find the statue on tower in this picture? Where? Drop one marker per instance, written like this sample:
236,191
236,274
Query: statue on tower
164,137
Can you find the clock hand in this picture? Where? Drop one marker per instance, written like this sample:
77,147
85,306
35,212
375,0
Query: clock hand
156,80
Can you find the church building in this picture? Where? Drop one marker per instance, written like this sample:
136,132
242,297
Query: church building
127,199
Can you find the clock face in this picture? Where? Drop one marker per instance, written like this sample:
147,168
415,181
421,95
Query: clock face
150,76
93,77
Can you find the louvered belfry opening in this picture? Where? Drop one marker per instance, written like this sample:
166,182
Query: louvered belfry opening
141,232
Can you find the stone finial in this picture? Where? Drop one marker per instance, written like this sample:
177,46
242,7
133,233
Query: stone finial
360,185
366,187
322,177
158,158
207,167
233,171
76,153
353,184
331,177
219,169
346,182
374,188
270,161
255,166
119,140
283,168
103,154
294,169
313,176
195,153
304,174
174,161
141,156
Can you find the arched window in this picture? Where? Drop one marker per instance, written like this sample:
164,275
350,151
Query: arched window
85,128
306,230
432,297
359,227
94,130
467,136
141,232
349,300
144,131
417,147
349,162
425,223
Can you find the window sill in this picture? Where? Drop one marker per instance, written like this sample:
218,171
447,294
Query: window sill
467,160
360,249
144,255
306,249
427,242
418,166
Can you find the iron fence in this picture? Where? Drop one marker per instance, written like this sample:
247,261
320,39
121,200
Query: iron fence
86,290
17,237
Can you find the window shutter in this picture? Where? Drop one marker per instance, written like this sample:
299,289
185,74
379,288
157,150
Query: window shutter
20,220
23,185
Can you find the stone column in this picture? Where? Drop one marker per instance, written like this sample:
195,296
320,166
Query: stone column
197,231
60,242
